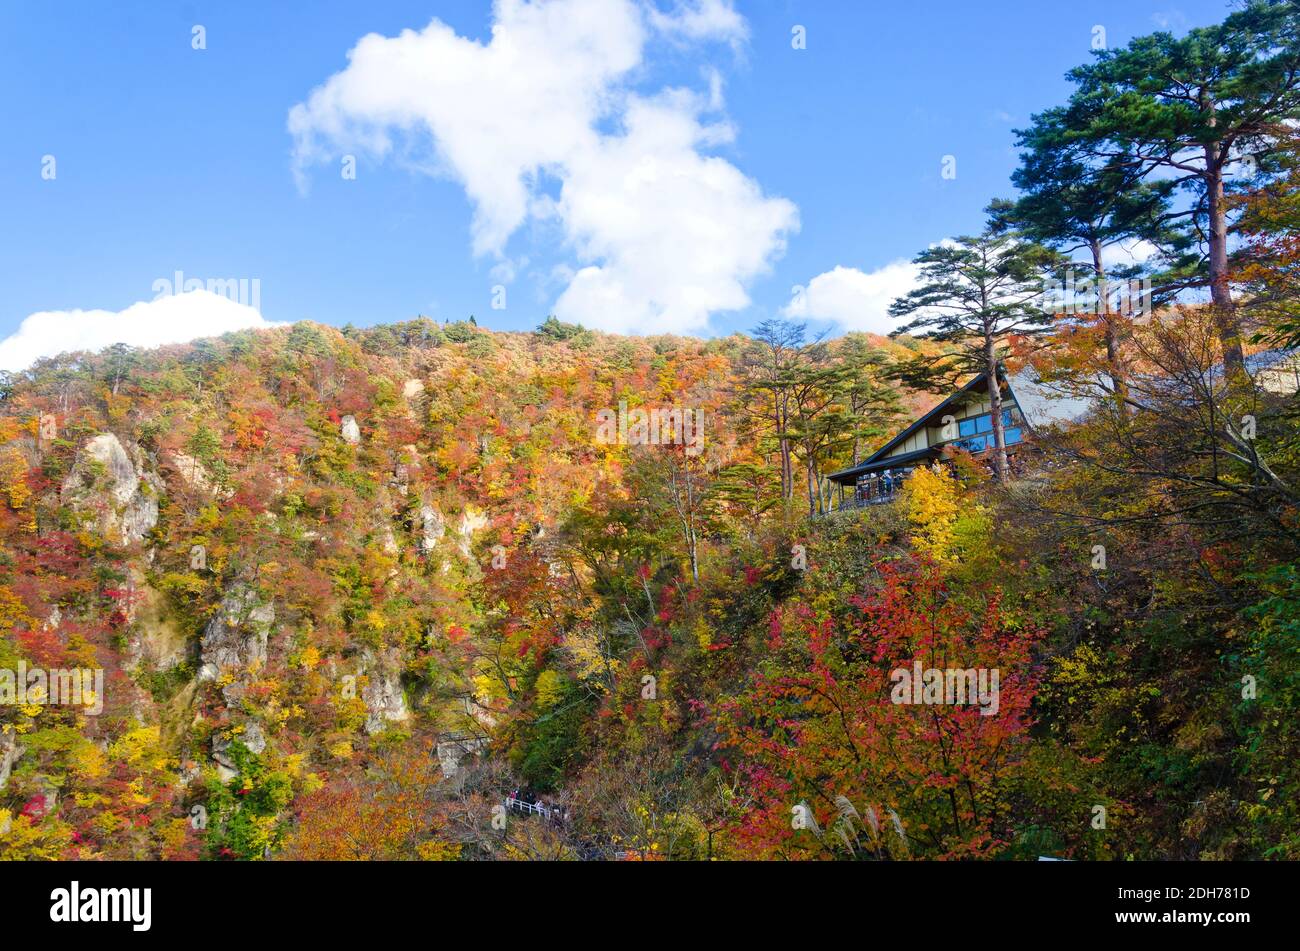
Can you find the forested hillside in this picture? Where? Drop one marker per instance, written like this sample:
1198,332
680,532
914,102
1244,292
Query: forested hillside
306,558
426,591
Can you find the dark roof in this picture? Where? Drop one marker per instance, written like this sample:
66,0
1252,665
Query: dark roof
1040,406
876,460
850,476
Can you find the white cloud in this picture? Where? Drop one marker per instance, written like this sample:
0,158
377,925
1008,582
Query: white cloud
663,234
171,319
703,20
1170,20
859,300
854,299
1128,253
506,270
676,233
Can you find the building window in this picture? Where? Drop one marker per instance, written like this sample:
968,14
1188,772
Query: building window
975,443
980,443
970,430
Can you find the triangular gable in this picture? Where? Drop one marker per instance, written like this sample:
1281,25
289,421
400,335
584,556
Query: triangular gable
1040,406
919,423
924,420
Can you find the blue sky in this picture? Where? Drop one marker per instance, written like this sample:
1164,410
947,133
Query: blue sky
478,170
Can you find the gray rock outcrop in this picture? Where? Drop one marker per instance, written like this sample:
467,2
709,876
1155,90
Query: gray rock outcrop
9,753
349,430
251,736
383,696
432,526
236,637
115,487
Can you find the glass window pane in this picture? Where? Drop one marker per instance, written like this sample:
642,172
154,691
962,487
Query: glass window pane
966,427
1012,436
983,424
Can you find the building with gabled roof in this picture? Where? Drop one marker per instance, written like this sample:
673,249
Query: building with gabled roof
962,421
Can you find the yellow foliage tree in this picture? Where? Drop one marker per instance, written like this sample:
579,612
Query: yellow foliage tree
23,839
13,482
931,498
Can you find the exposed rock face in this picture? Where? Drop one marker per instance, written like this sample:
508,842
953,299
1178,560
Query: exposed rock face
454,749
388,540
252,737
471,521
115,487
413,393
407,466
349,430
49,792
385,701
189,773
9,753
153,636
434,526
382,531
479,711
195,476
235,639
401,478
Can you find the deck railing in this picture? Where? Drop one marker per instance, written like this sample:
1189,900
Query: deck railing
873,493
881,492
862,501
535,809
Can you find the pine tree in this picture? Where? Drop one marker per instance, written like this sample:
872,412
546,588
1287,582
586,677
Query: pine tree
977,293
